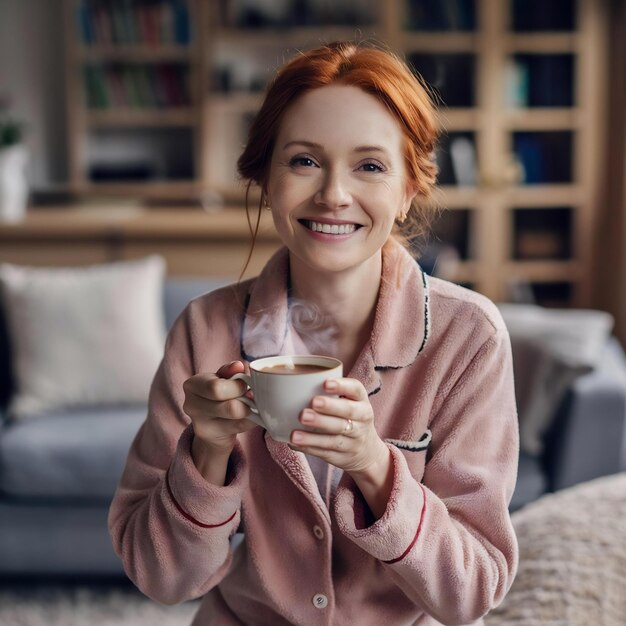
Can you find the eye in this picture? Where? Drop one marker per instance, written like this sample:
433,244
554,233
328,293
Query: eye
302,161
372,166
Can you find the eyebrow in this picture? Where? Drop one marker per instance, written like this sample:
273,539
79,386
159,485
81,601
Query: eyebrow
312,144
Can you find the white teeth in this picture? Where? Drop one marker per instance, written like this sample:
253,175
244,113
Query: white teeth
332,229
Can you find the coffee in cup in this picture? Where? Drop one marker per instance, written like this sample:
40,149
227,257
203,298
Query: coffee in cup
294,368
283,386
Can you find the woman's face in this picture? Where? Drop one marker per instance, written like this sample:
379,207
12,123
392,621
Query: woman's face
337,178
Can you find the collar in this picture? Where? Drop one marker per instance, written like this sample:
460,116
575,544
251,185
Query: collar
401,323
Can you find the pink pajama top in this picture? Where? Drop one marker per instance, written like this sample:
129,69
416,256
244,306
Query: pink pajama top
438,371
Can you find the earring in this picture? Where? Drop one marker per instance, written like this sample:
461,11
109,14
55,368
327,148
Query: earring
266,205
401,217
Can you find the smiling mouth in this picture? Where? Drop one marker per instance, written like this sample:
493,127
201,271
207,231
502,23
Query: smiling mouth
330,229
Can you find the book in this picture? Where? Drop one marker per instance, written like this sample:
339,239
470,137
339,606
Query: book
463,155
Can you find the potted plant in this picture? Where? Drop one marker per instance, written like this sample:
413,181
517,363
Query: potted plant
13,160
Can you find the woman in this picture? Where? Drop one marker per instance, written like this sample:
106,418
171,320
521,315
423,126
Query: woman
395,509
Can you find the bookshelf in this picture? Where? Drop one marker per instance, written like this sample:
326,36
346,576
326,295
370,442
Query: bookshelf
523,85
520,83
136,79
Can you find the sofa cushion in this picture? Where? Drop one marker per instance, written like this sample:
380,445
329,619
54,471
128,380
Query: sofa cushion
531,481
179,291
551,348
75,454
90,335
6,374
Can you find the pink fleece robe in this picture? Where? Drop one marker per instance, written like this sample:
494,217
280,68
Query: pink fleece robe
439,373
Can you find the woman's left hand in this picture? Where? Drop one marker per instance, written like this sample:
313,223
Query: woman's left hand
345,435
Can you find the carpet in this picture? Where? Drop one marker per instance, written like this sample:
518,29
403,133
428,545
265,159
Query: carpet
572,569
33,603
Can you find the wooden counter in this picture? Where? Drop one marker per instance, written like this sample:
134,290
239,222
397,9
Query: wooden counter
193,242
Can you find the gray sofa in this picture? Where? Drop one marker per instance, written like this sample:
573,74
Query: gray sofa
58,472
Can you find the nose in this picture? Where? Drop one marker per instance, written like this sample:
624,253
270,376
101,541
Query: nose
334,192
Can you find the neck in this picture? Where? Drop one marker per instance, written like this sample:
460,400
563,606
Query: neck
347,300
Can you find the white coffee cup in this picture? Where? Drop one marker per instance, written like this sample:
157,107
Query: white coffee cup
280,394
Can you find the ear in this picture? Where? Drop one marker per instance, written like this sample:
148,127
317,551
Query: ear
409,195
265,196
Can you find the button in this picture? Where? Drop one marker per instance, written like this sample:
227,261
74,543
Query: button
320,601
318,532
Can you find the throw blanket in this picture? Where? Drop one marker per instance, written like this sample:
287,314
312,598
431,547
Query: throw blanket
572,568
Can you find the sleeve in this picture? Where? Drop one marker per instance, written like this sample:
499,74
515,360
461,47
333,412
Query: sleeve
448,542
169,526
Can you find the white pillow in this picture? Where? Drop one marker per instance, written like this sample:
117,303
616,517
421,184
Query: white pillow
83,336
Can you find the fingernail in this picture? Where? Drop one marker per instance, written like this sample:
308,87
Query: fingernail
296,437
318,403
331,384
307,416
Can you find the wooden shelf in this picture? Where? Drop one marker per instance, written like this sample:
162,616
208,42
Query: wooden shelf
543,271
193,242
542,42
150,189
438,42
544,119
139,54
236,101
283,38
458,119
455,197
543,195
466,272
141,117
137,221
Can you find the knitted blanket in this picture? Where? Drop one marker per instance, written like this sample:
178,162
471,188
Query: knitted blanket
572,569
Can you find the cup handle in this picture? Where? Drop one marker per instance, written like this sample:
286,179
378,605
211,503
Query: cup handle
254,411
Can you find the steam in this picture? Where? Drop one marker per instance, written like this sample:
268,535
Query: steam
309,332
317,331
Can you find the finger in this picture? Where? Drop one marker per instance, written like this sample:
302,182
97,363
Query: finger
346,387
320,442
222,388
210,387
328,424
342,407
217,428
230,369
232,409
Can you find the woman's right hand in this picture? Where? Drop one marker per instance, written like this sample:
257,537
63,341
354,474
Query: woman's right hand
211,403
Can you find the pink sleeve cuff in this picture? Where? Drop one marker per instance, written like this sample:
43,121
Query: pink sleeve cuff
395,534
197,500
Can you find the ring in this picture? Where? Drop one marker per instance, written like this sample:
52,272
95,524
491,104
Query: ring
348,427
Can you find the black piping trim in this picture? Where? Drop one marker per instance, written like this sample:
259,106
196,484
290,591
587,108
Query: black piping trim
379,368
413,446
426,312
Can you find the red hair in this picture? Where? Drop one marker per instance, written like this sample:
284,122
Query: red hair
375,71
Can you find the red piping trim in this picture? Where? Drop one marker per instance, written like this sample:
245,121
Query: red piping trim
419,528
185,514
